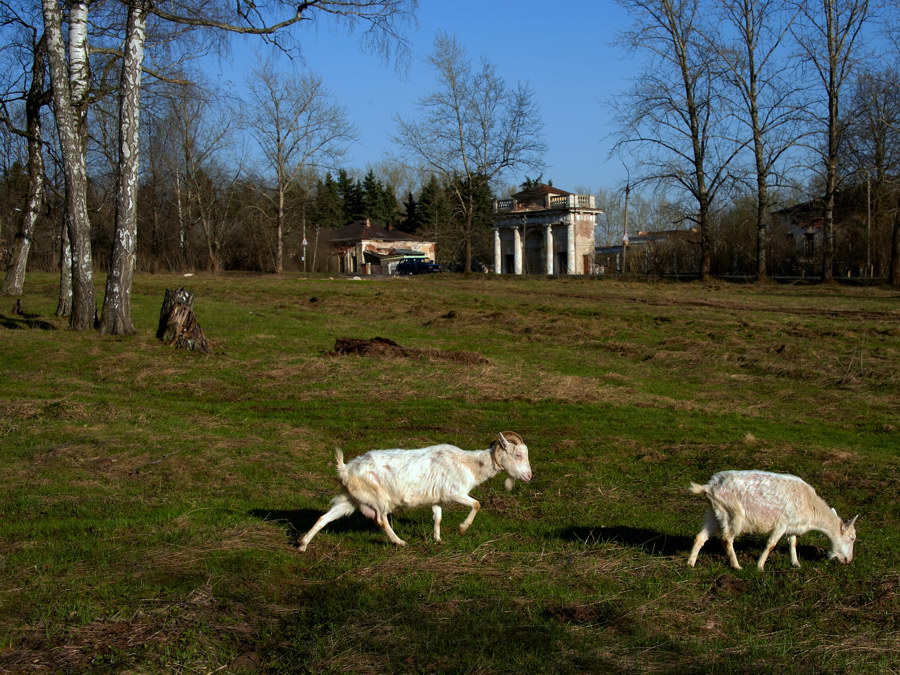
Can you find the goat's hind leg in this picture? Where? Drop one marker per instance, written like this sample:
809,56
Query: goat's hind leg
436,510
710,529
382,520
777,533
341,506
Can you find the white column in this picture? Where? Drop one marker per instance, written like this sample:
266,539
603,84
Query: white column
517,251
498,260
548,240
570,258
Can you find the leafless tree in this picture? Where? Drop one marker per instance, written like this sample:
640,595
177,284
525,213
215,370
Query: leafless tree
675,117
204,187
893,35
767,102
472,130
298,127
871,152
830,38
36,96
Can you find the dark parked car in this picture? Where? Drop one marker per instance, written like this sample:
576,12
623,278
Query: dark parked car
417,266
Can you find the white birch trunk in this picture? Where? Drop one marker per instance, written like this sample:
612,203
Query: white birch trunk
64,303
116,319
71,139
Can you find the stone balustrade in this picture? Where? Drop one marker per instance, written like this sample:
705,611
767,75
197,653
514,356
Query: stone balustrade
550,202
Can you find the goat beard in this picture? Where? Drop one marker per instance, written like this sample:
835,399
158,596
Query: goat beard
508,483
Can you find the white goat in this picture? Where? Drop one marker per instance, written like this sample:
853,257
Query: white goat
777,504
381,481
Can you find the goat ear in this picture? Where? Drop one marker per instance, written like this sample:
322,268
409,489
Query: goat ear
504,444
850,522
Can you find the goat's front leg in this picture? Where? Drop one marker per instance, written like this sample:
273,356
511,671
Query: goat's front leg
473,504
436,510
793,541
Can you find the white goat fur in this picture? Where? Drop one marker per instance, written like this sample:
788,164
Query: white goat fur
381,481
777,504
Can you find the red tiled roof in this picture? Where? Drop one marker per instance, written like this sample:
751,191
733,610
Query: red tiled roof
539,191
364,229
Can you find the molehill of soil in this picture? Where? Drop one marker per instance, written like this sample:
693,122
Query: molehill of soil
380,347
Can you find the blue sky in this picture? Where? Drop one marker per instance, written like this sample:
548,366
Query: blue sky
562,51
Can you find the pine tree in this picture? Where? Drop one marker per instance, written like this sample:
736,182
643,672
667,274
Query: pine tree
328,210
350,193
411,215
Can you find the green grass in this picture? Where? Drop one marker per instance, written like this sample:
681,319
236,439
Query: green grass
151,499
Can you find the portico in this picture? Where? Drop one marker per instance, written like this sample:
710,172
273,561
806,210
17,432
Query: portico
544,230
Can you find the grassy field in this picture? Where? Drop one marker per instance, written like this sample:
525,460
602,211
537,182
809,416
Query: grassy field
151,499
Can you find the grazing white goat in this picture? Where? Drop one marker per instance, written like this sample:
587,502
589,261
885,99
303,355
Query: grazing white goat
381,481
777,504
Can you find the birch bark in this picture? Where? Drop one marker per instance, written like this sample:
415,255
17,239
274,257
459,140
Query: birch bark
68,111
116,318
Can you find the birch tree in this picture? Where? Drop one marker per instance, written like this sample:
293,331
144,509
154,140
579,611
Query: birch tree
299,128
472,131
116,317
69,82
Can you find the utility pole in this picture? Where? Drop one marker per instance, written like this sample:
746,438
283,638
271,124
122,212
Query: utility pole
625,227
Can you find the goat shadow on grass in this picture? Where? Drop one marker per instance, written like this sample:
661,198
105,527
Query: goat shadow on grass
662,544
650,541
297,522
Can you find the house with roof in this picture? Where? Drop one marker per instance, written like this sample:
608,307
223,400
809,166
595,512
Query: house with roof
544,230
363,247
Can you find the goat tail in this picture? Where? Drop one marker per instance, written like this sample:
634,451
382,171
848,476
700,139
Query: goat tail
698,489
339,460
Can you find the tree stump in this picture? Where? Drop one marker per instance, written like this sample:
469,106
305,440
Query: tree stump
177,324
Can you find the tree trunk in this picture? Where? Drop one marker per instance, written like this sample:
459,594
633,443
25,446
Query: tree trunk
117,301
895,249
84,309
705,243
64,304
177,324
14,283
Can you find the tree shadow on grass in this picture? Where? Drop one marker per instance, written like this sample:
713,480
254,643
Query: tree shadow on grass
650,541
297,522
24,321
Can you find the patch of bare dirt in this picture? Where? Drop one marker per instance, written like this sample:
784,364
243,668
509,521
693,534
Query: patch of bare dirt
380,347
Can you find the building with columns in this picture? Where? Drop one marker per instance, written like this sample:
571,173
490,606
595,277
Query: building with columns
544,230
